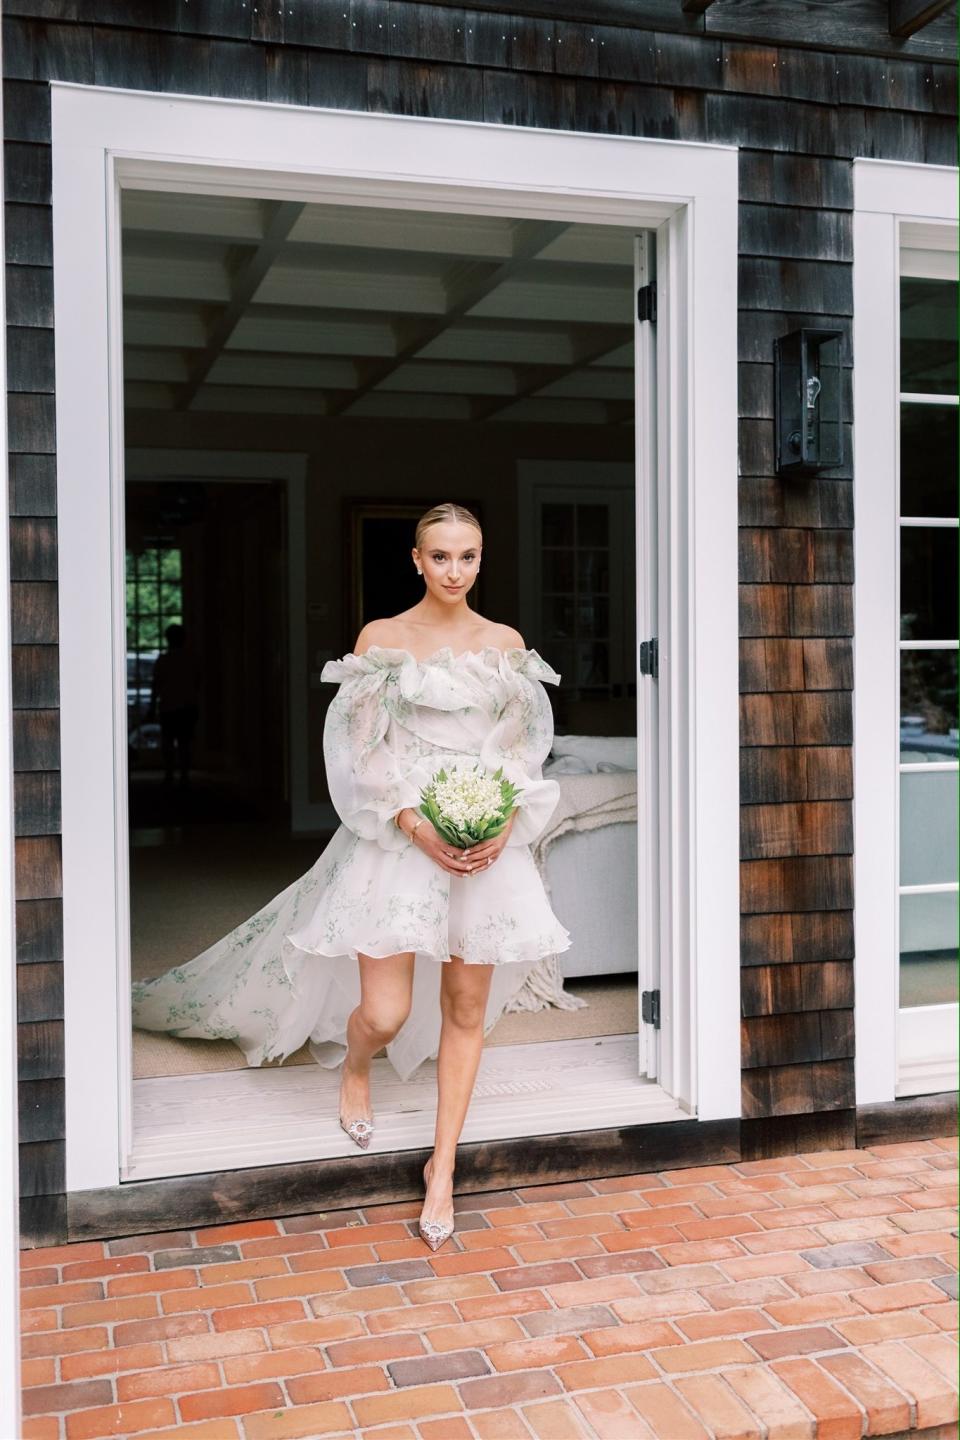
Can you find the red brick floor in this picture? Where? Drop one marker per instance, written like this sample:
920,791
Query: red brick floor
810,1297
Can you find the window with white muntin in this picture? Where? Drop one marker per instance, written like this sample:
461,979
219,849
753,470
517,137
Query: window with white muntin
927,587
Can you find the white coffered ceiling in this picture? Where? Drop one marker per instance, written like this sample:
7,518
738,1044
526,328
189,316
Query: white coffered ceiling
280,308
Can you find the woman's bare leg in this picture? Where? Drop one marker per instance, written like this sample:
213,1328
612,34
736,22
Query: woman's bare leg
386,989
464,991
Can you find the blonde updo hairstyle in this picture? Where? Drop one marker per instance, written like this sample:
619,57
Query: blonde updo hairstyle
449,512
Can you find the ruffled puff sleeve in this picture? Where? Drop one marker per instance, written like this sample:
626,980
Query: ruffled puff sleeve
367,776
520,741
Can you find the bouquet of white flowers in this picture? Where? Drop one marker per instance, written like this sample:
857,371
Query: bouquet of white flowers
468,805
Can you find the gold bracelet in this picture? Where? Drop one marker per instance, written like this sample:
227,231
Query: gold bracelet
415,829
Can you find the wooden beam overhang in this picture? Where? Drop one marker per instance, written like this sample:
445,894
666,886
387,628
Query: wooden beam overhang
909,16
695,7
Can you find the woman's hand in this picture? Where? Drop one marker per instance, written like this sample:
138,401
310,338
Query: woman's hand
450,857
482,856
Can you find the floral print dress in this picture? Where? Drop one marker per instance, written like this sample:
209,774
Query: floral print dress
288,974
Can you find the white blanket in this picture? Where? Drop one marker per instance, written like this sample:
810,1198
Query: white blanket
586,802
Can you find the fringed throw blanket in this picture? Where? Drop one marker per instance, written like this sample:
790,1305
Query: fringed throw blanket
586,802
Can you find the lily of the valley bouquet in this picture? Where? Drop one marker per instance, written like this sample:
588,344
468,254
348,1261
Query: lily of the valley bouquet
470,804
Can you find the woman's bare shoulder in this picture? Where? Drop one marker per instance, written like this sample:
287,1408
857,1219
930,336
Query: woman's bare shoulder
396,632
387,632
498,637
507,638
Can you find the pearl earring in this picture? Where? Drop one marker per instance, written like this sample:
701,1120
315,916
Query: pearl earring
419,571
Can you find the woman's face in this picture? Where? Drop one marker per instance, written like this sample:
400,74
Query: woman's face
449,558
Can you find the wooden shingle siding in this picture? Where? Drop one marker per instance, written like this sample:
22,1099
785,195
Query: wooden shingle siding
36,682
40,1049
39,931
776,989
801,1089
800,89
793,664
33,483
796,666
40,1110
859,25
795,772
795,938
38,866
37,800
812,882
818,828
40,991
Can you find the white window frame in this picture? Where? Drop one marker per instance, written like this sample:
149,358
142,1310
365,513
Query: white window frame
915,205
102,138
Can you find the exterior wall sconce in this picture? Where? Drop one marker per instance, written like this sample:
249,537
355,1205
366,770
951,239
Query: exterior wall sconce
807,401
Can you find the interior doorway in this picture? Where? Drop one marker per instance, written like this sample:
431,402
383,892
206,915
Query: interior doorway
405,355
208,740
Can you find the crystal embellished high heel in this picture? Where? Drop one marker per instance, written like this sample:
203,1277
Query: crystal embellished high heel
361,1131
433,1232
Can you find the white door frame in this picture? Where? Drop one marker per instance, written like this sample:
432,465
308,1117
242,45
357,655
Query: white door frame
895,202
103,139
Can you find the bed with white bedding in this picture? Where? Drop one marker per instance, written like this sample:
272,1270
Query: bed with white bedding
587,856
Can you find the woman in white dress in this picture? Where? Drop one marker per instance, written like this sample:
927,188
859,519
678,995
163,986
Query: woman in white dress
432,687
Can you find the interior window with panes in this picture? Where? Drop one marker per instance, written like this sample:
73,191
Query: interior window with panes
154,601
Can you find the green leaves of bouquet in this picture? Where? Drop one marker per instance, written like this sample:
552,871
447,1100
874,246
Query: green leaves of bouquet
470,804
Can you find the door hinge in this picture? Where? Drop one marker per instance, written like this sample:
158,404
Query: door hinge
650,658
647,302
650,1008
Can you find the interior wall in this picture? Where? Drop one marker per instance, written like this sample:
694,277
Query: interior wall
387,460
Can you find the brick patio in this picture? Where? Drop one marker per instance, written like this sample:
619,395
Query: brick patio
808,1296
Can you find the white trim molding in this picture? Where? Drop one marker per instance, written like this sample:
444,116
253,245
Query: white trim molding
105,139
911,207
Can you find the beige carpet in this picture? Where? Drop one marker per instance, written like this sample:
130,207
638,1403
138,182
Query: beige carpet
611,1010
189,889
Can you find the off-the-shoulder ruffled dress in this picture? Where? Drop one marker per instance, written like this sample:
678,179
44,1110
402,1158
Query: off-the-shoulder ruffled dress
285,976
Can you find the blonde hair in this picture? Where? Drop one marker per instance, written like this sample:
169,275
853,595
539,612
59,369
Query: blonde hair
448,512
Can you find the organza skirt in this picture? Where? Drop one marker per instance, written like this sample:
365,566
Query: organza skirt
289,974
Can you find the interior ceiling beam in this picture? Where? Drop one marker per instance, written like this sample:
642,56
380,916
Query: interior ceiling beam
909,16
537,377
469,284
594,342
281,218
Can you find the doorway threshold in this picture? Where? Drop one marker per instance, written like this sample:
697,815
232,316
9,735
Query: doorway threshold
191,1124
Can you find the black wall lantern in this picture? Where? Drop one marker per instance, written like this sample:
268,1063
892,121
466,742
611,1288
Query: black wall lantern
807,401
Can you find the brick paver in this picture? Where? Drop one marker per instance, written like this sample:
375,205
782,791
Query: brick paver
810,1297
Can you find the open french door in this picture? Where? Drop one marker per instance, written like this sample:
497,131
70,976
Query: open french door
650,566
